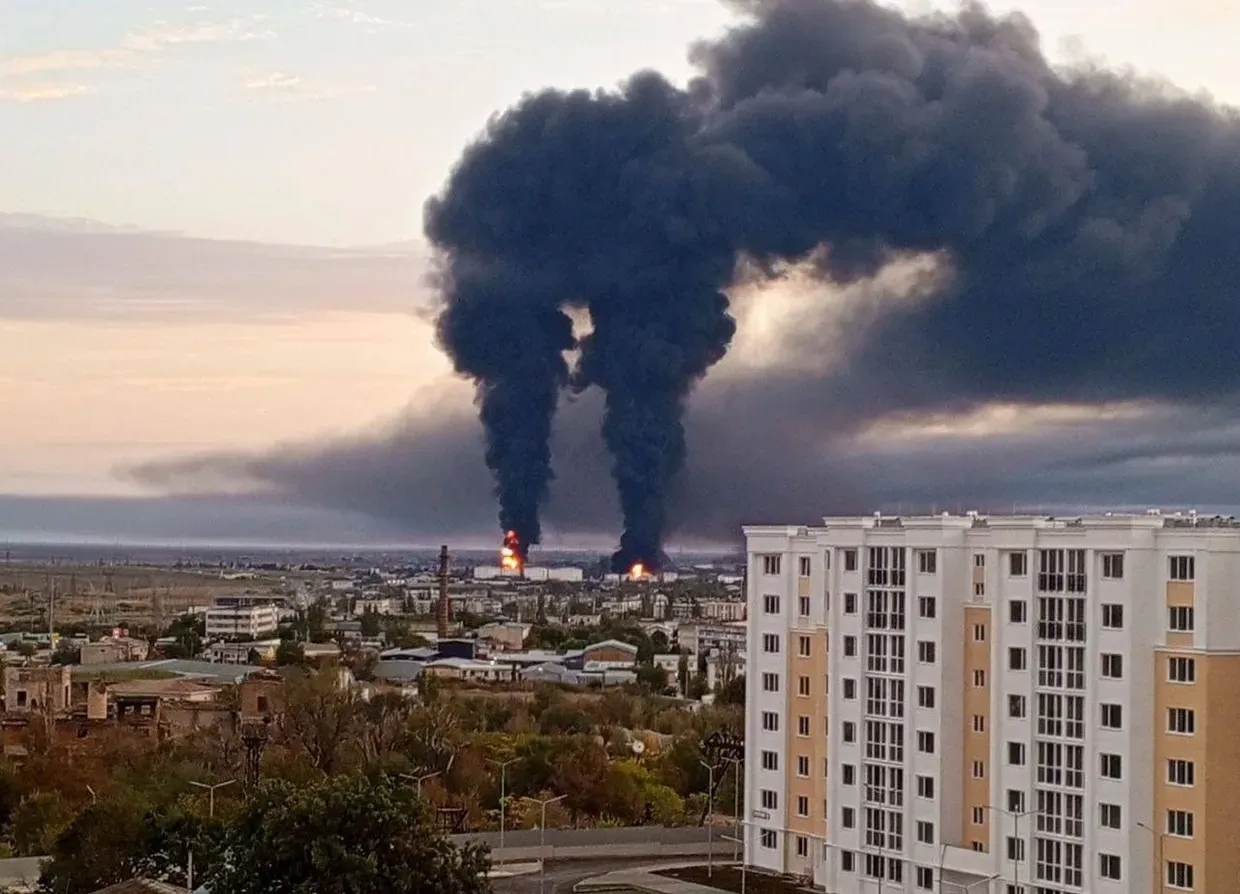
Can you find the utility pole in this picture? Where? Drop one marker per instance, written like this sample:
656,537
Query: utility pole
710,817
210,789
542,838
503,799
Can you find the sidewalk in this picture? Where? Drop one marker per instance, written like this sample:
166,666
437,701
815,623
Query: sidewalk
508,870
643,880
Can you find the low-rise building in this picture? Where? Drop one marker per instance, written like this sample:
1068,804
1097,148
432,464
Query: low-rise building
252,652
234,618
113,650
37,689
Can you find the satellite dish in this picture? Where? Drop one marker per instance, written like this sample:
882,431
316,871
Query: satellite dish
638,746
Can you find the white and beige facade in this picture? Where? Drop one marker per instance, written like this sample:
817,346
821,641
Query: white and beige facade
1002,705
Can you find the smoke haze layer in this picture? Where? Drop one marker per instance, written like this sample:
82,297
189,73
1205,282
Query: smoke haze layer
1083,223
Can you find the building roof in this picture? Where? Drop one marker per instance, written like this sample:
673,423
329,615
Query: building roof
398,670
178,687
221,673
610,644
143,886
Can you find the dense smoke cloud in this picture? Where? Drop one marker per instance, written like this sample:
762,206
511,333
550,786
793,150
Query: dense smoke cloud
1083,223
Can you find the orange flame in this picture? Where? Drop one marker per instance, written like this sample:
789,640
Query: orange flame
638,571
509,554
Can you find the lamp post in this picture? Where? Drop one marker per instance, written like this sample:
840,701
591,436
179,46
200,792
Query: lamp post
736,803
210,789
710,817
542,836
740,839
503,798
1016,817
1160,874
418,780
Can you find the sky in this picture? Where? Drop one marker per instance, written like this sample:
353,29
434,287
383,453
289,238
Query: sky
210,236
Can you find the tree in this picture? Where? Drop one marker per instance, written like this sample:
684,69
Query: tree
371,623
320,718
289,652
652,678
682,674
734,692
349,833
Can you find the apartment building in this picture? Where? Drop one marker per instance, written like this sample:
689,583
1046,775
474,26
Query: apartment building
1007,705
231,618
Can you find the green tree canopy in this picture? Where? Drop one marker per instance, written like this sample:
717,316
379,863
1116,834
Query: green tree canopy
348,834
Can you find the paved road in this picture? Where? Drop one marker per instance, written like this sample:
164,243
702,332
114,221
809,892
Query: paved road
563,875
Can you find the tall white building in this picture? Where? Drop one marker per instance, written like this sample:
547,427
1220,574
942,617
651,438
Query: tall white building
239,617
999,705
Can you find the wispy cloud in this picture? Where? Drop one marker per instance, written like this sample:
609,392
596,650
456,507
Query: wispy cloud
37,92
294,87
354,16
134,48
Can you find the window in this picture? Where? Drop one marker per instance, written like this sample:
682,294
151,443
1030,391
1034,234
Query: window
770,721
848,818
979,815
850,732
1017,659
1108,866
770,682
926,606
979,723
1112,666
850,560
802,725
1109,815
826,767
1017,707
803,566
1112,766
979,589
1017,566
979,678
802,765
1180,618
1015,801
979,770
770,604
1015,849
979,633
770,565
1179,875
802,846
848,861
1112,566
925,697
1182,670
803,606
1181,568
925,878
850,689
850,647
1112,716
803,685
1180,823
770,799
850,603
1180,772
1018,611
977,847
927,561
803,646
1182,721
925,652
979,560
802,805
1016,754
1112,616
770,643
925,832
925,787
766,838
850,774
925,742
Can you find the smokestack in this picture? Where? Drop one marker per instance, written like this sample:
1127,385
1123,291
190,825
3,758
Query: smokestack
443,613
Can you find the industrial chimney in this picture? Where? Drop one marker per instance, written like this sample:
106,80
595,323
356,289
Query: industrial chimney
443,613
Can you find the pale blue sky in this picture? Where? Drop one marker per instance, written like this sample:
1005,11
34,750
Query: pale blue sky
328,123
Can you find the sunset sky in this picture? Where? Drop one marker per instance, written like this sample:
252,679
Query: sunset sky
134,130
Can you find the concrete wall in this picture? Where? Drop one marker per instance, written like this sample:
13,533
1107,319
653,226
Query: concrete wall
593,844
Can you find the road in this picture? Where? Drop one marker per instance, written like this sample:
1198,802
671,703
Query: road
563,875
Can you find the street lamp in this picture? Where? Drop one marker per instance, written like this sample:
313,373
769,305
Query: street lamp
503,798
710,814
542,837
740,839
418,780
1016,817
736,803
211,793
1160,875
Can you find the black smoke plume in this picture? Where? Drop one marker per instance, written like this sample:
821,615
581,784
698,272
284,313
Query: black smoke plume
1085,224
